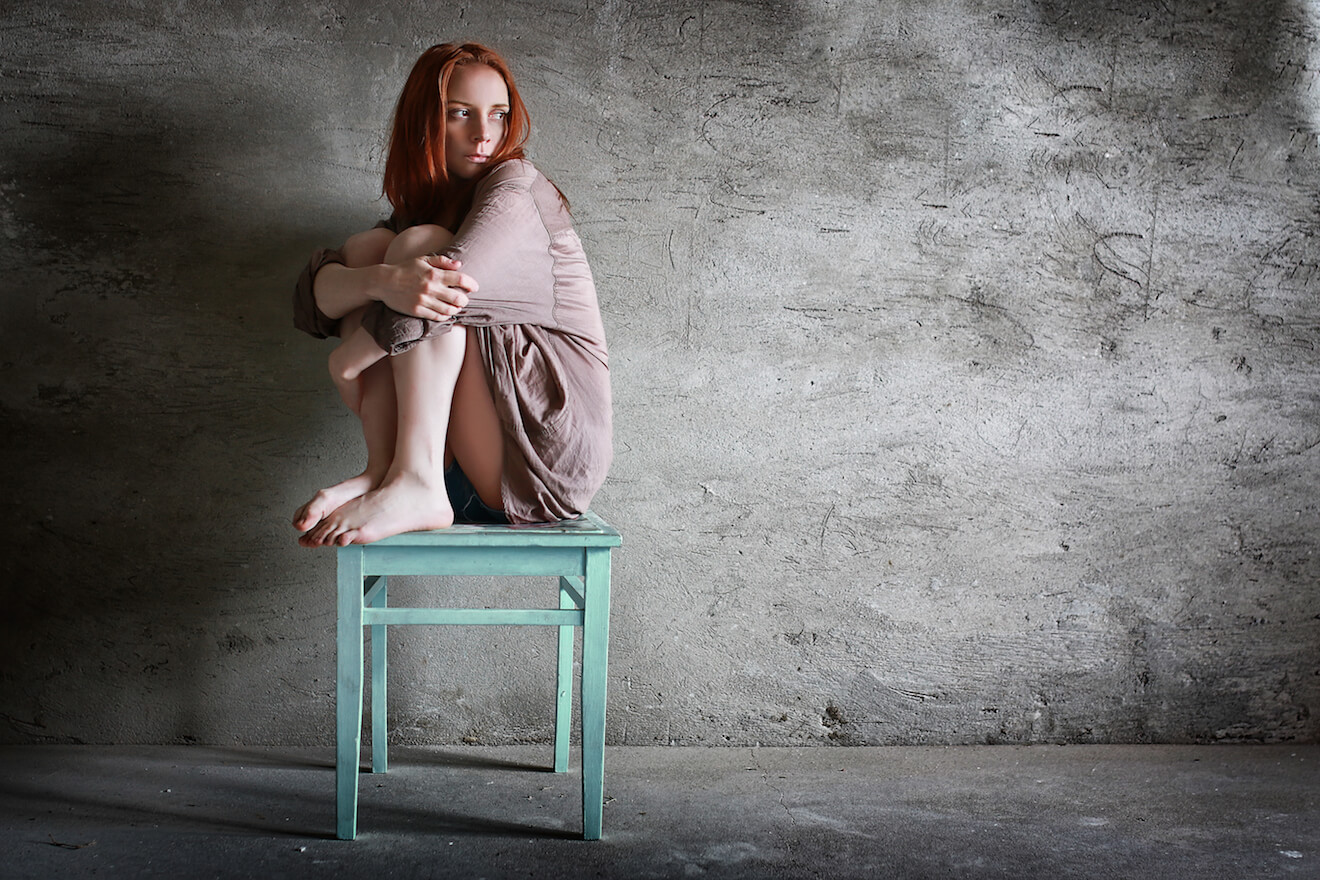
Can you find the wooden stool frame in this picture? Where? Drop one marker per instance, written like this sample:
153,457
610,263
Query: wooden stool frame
576,551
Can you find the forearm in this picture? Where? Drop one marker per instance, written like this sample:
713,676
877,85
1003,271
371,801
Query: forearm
339,290
337,282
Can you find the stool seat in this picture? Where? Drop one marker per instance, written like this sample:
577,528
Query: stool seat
577,552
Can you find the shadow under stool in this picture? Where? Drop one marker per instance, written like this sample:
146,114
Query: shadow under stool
576,551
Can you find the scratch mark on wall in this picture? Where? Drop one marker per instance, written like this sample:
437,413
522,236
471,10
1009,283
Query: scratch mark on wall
825,525
1150,252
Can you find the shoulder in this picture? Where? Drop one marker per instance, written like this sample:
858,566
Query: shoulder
516,184
512,173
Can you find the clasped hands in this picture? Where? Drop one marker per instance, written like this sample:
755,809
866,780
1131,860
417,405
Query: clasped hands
430,287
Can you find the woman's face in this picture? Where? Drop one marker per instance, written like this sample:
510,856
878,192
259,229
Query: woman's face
478,109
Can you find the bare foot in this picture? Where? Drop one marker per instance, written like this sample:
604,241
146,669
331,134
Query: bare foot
405,502
329,499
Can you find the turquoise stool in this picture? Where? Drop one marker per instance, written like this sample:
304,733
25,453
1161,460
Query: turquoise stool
577,551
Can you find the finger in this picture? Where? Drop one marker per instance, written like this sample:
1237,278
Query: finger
449,297
441,261
441,310
461,281
452,301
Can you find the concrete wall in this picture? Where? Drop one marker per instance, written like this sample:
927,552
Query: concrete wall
965,358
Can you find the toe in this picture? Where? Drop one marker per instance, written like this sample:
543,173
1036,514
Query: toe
330,536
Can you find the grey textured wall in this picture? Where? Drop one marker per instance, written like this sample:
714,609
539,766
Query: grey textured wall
965,358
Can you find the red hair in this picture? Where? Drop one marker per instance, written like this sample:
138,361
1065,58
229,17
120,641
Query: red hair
416,179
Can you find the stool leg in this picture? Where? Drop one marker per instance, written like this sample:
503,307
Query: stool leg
564,685
348,691
379,704
595,650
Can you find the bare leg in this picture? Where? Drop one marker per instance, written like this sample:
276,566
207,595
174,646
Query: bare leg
377,410
367,248
355,354
375,402
433,414
418,241
359,350
476,437
443,403
412,495
373,397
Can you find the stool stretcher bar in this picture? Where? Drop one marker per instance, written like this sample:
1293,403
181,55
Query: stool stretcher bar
577,552
472,616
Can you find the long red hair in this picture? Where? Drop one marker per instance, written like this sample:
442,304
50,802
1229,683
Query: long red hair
416,179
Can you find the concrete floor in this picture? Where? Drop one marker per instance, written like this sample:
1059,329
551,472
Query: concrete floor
1163,812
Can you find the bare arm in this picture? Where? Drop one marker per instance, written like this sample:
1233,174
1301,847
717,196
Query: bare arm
424,287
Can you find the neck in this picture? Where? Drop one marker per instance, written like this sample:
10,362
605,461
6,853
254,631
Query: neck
457,200
460,190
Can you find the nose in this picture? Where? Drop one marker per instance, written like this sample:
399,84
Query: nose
481,131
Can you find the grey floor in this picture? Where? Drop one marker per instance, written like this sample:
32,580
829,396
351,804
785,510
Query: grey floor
997,811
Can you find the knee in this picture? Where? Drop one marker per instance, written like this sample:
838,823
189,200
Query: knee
418,241
367,248
339,366
351,321
344,363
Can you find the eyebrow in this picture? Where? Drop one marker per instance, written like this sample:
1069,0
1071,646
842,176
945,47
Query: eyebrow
466,104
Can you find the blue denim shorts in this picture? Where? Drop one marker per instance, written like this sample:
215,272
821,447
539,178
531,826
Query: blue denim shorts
467,504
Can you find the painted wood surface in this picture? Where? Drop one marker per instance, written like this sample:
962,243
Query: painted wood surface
584,599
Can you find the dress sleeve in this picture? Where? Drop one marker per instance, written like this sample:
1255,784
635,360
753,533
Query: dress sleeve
510,242
505,243
306,316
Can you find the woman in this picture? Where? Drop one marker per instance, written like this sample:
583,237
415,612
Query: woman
493,404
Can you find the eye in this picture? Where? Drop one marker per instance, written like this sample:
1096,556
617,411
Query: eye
458,113
501,114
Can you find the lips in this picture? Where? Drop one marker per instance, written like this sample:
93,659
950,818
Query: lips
477,158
